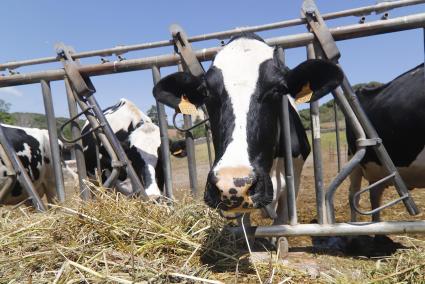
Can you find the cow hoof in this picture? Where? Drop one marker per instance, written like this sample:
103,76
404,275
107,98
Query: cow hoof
282,248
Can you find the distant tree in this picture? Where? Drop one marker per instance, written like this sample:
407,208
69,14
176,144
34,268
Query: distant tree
153,114
5,116
372,84
199,131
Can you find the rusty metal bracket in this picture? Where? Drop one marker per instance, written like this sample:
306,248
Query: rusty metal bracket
184,48
81,85
368,142
83,90
320,30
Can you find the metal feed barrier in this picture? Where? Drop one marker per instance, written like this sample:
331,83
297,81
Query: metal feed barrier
319,42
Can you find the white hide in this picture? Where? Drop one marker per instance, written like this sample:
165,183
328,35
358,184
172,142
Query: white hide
240,64
45,184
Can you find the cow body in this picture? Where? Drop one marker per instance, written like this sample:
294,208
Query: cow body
242,91
396,110
33,149
141,141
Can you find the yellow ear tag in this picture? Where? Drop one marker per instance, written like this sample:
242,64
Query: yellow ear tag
187,107
304,95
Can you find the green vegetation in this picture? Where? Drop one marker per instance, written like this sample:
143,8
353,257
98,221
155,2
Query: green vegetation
5,116
326,109
38,120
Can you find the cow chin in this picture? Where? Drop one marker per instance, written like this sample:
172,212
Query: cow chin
261,194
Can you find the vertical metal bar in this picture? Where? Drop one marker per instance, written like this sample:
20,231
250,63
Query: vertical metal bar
78,146
190,150
53,138
317,152
337,137
191,160
289,169
23,177
165,146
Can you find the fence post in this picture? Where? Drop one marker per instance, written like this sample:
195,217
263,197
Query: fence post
53,138
163,130
78,146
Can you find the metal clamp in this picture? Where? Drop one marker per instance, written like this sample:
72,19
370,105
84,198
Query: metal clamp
184,48
320,30
368,142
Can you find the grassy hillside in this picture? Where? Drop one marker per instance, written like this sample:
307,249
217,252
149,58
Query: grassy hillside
327,113
38,120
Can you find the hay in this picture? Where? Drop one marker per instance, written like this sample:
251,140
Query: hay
119,240
113,239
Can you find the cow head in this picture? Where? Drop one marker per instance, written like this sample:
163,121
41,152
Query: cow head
242,91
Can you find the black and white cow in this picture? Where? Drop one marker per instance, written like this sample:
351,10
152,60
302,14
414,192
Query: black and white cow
397,111
33,148
141,141
242,91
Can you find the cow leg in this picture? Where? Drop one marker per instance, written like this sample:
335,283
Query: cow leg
355,185
375,200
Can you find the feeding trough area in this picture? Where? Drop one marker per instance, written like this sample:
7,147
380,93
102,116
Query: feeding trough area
319,41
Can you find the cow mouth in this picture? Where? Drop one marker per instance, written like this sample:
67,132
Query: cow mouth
260,195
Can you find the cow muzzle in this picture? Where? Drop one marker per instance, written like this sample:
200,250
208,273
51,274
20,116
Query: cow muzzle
234,185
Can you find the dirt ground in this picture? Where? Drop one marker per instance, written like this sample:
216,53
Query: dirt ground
301,248
302,254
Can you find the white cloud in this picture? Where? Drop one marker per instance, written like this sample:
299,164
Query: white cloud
11,91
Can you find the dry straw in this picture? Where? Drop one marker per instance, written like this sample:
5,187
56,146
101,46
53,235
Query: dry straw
113,239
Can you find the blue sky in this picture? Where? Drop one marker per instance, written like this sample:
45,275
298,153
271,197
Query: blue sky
31,28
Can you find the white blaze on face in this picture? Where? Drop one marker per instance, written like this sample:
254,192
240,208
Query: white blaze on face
240,63
146,139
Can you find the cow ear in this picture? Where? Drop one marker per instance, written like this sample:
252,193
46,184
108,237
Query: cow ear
178,148
313,79
170,89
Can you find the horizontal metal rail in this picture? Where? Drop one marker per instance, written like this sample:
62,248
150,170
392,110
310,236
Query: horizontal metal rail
339,229
366,10
292,41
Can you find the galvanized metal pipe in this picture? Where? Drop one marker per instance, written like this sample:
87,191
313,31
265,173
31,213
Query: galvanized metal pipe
165,147
190,151
289,168
53,139
340,229
379,149
117,148
337,137
292,41
191,160
317,152
378,8
78,146
94,123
